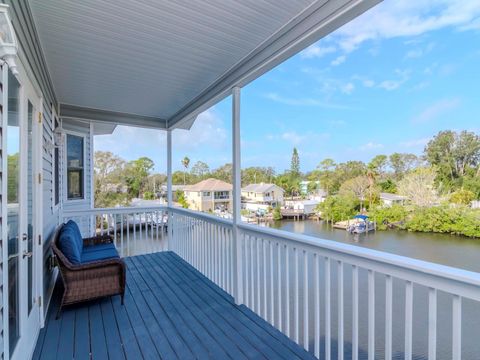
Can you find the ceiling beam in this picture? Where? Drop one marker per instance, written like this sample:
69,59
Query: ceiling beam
312,24
112,117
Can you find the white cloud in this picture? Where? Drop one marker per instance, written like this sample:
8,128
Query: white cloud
415,143
339,60
370,146
208,130
392,19
132,142
436,109
348,88
368,83
419,52
317,51
295,138
303,101
402,77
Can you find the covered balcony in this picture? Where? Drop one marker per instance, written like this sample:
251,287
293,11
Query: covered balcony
198,286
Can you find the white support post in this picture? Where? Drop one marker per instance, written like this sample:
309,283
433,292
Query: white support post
237,245
169,188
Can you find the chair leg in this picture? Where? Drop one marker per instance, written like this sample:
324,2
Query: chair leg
59,312
123,295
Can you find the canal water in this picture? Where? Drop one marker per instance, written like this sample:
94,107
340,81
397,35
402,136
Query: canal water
438,248
451,250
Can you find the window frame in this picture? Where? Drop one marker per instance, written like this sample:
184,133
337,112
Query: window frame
56,183
65,161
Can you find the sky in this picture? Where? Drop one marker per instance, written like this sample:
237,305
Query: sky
386,82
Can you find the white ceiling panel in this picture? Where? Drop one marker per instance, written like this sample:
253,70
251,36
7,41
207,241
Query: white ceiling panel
150,57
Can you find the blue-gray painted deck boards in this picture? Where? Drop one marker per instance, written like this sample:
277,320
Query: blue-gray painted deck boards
171,311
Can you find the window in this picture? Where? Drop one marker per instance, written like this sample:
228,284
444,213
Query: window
206,193
75,170
56,162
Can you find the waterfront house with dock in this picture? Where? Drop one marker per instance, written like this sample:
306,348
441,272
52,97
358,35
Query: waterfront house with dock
262,196
207,287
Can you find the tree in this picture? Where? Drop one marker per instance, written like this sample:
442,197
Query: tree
357,187
453,154
295,164
223,173
200,170
108,177
257,174
326,165
154,182
180,195
185,163
402,163
419,187
378,164
137,172
106,164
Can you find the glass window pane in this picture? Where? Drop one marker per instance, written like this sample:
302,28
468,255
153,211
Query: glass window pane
75,167
13,208
74,151
75,184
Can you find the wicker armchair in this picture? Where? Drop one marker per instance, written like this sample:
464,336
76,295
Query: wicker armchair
92,280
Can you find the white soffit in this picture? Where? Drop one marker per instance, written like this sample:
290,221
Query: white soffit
160,59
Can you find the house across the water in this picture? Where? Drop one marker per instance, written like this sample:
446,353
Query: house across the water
261,196
209,195
389,199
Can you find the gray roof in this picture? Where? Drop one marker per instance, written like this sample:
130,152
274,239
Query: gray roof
393,197
160,63
261,188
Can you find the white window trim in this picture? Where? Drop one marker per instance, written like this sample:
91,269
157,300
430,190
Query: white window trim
65,170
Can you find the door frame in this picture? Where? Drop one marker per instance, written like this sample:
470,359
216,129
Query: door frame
29,91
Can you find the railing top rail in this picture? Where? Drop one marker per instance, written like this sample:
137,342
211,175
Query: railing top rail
115,210
202,216
370,255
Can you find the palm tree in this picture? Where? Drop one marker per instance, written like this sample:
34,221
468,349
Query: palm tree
185,163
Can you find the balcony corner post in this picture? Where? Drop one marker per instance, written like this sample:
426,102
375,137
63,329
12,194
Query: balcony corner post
169,189
237,238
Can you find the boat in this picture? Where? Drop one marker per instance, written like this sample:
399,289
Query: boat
361,225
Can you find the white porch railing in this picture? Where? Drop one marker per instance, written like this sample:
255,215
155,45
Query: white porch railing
136,230
334,299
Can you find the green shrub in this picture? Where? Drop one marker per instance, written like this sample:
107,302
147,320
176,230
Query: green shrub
148,195
443,219
338,207
277,214
385,215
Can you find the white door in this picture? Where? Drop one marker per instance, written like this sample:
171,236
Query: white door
23,201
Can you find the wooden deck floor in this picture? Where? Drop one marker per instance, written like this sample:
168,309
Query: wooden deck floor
171,312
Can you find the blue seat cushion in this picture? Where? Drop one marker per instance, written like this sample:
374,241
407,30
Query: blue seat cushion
78,236
68,245
99,247
99,254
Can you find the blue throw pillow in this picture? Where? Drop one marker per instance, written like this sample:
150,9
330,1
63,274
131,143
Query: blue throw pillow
78,236
68,245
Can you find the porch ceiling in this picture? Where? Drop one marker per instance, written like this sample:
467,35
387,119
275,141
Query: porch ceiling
167,61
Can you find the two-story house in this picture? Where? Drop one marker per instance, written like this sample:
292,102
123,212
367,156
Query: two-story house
261,196
209,195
